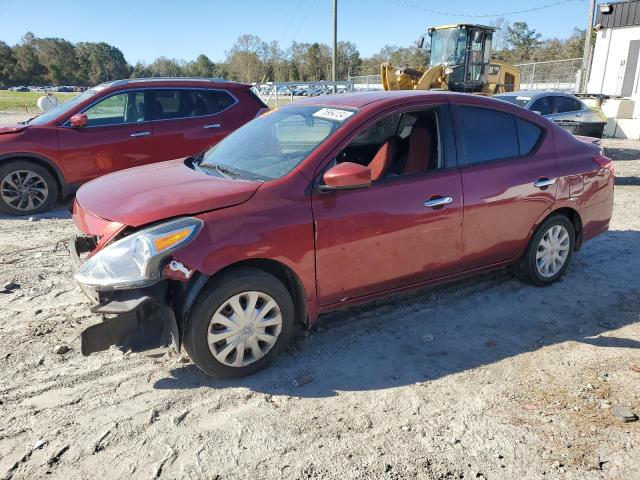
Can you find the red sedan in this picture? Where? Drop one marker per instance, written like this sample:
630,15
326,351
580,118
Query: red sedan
115,125
326,202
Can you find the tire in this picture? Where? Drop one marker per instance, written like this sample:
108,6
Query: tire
202,330
41,188
556,235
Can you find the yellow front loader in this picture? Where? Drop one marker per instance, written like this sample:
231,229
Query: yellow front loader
459,60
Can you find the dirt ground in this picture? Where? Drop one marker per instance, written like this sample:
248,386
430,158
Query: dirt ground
487,378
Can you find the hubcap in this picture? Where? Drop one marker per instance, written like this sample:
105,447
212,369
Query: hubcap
23,190
244,328
553,250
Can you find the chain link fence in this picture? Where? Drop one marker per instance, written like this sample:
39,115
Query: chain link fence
366,82
553,75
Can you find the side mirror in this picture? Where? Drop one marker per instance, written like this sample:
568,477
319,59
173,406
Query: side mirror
79,120
346,175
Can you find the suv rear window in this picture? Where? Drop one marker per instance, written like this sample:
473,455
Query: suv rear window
183,103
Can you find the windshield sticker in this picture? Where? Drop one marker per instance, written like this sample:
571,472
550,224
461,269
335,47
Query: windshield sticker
523,98
333,114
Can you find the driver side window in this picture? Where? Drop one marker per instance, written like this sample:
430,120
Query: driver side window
117,109
398,145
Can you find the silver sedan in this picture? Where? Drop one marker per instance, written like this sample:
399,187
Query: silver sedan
565,109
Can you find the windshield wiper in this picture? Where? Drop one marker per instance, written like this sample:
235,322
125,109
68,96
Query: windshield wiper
224,171
26,122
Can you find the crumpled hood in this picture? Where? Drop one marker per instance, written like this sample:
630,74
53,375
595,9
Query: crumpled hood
142,195
13,128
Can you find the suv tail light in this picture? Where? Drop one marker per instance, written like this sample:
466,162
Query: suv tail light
604,162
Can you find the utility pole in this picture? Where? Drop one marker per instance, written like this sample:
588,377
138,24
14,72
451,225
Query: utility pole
334,61
586,56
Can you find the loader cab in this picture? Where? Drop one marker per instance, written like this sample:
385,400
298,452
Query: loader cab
465,53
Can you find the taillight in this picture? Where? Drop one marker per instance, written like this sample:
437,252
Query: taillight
604,162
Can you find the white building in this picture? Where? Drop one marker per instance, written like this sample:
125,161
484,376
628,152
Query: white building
615,68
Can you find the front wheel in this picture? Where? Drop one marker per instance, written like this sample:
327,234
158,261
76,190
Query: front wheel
26,188
241,321
549,252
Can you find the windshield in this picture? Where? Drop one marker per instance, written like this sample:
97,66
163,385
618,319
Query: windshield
448,47
63,107
273,144
521,101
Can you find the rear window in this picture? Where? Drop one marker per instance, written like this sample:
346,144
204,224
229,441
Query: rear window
183,103
528,135
257,98
544,106
568,104
488,134
520,100
493,135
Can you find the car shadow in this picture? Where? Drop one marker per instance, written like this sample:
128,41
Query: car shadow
621,154
61,210
432,333
627,181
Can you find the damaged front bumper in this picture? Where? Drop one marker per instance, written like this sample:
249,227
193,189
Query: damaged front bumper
143,318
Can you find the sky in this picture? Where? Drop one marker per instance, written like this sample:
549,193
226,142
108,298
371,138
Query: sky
182,29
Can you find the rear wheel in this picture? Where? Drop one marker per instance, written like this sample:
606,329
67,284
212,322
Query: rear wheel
26,188
239,324
549,252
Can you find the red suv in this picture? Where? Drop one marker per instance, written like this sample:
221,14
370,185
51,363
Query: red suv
116,125
328,202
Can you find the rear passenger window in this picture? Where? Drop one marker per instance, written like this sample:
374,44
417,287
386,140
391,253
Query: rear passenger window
528,135
172,104
567,104
488,134
544,106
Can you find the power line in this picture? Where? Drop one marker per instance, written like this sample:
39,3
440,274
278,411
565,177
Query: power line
293,16
485,15
304,19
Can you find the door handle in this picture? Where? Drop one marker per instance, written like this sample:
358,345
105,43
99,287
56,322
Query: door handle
140,134
438,202
544,182
212,125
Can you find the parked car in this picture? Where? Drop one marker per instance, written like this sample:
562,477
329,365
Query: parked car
116,125
565,109
327,202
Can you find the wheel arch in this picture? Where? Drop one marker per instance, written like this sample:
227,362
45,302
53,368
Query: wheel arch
572,214
43,161
282,272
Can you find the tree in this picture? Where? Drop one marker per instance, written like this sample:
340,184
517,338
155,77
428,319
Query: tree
28,69
522,42
58,57
201,67
7,64
166,67
246,57
348,60
99,62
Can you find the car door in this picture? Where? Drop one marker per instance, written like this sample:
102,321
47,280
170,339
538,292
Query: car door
403,229
567,109
508,173
186,121
117,136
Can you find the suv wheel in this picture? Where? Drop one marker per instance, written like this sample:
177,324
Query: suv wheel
241,321
549,252
26,188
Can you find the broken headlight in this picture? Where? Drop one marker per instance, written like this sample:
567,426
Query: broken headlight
136,260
